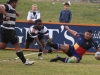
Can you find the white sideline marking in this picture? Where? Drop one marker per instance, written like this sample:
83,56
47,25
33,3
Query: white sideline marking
18,57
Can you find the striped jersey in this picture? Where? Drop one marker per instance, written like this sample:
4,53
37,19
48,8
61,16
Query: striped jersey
34,31
82,45
10,24
33,15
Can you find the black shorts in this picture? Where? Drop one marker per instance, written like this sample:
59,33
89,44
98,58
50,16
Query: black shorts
9,36
29,39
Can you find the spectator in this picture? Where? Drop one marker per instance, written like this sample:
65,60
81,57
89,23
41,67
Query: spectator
33,14
65,14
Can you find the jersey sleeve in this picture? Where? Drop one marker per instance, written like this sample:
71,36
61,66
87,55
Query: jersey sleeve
6,7
79,34
33,33
94,44
45,31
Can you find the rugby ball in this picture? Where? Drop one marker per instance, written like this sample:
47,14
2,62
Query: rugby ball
97,55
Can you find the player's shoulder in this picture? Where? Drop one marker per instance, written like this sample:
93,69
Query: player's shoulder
44,27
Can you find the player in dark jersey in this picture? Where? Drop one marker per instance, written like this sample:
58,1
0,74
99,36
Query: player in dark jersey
8,33
1,18
36,32
75,53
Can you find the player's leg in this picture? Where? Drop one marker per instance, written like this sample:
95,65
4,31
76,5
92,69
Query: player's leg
63,47
29,41
41,39
14,41
73,56
3,45
72,59
4,40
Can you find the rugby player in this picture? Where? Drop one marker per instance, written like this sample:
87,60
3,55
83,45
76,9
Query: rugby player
36,32
75,53
8,33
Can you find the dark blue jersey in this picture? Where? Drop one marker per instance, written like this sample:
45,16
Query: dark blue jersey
82,45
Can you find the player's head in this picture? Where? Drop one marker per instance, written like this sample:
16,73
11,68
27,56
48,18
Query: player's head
13,3
66,5
34,7
38,23
88,34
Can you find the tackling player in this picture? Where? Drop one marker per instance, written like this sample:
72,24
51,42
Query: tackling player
36,32
8,33
84,43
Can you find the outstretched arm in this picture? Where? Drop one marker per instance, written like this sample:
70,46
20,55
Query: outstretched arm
71,31
38,42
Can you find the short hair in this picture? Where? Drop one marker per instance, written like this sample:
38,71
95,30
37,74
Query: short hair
66,3
11,1
34,5
38,20
90,31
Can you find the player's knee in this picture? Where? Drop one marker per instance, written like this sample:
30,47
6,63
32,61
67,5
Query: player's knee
72,59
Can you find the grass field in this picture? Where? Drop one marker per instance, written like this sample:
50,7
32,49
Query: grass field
83,13
88,65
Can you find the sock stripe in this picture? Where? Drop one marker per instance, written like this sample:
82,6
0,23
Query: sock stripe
58,46
66,60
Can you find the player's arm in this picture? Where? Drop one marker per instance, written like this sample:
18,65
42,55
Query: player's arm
17,14
2,10
96,45
71,31
98,49
38,42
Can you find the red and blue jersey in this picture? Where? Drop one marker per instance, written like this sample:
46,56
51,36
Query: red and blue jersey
82,45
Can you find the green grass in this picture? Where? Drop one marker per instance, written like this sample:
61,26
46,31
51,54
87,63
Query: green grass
88,65
83,13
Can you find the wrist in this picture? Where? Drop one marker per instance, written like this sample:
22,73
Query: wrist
68,29
6,16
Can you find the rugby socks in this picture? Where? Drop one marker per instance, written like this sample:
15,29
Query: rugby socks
55,46
40,54
66,60
61,59
21,56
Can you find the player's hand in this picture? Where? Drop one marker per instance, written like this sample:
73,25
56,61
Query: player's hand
17,14
67,27
7,18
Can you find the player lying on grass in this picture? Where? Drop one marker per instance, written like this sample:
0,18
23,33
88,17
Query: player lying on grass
36,32
75,53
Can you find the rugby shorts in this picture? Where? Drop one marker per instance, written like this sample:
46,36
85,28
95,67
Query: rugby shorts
8,35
